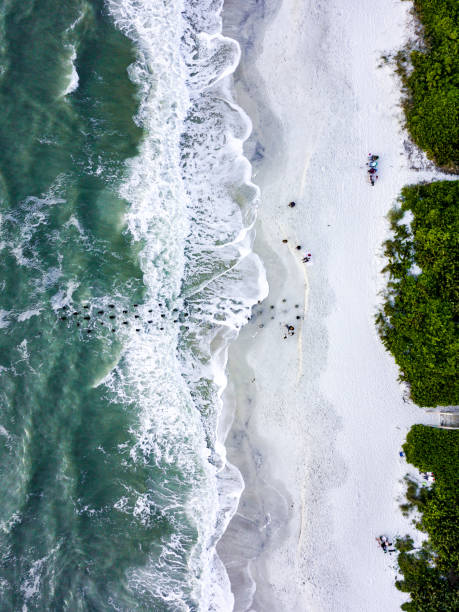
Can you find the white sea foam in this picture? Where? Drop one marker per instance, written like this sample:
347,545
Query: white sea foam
193,206
63,297
28,314
31,583
4,321
3,431
72,76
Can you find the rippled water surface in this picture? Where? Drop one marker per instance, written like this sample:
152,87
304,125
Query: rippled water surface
126,267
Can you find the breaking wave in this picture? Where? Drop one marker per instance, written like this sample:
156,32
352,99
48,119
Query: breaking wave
192,206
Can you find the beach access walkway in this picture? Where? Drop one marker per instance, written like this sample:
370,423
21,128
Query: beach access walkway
449,418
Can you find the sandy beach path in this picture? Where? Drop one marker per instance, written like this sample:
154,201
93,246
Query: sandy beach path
319,416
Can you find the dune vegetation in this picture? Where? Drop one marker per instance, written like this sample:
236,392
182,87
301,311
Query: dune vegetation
431,78
418,320
431,573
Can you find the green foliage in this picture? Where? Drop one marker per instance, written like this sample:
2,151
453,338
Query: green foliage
432,103
431,449
405,544
431,574
430,591
416,495
418,321
437,450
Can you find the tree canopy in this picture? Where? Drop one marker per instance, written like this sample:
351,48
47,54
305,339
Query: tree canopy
418,321
432,103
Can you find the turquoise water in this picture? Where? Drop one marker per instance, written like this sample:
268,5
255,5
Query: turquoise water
122,211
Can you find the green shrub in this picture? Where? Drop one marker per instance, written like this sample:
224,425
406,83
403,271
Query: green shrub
416,495
418,320
431,449
431,574
432,102
405,544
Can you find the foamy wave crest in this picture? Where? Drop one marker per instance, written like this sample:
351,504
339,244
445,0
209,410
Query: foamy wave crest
72,77
192,205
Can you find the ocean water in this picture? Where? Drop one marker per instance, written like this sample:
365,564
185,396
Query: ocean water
126,215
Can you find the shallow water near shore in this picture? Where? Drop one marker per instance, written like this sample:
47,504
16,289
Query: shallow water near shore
126,216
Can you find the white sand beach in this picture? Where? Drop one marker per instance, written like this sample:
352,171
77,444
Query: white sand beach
319,417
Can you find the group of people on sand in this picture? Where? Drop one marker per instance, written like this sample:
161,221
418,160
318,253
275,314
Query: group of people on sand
383,541
307,256
373,168
289,328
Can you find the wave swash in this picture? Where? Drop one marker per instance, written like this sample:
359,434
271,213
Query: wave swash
126,229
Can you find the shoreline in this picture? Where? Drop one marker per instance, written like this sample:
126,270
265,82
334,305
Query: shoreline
318,418
246,536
